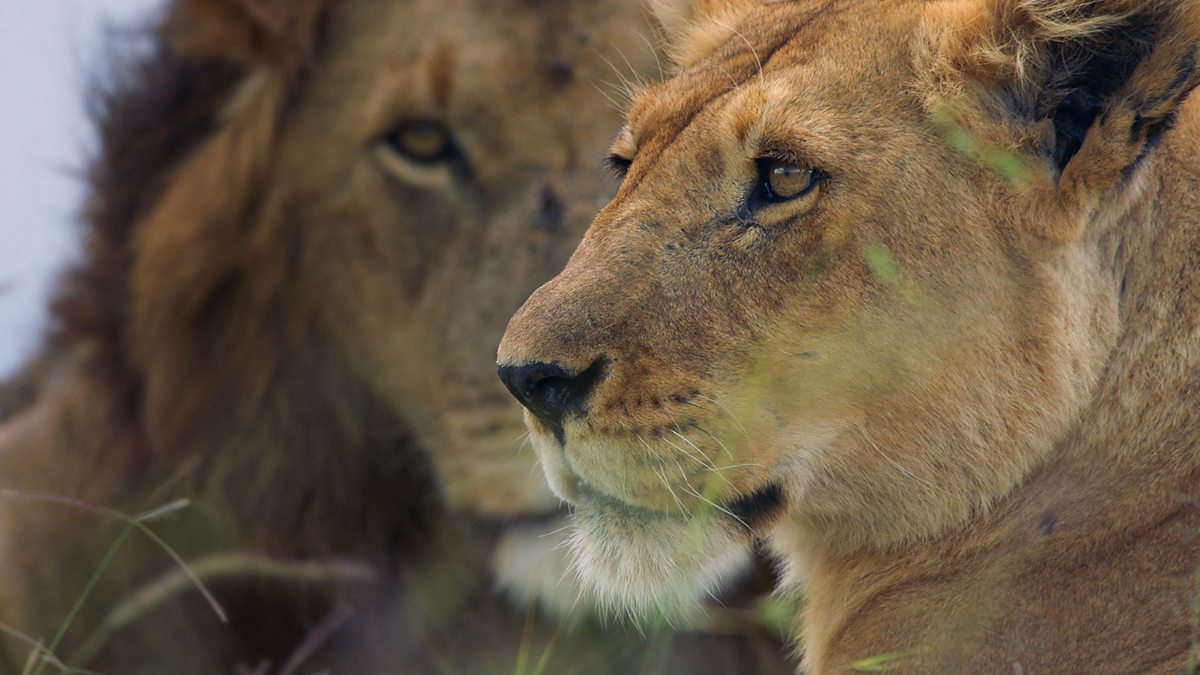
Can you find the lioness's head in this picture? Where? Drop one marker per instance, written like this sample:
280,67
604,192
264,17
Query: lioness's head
856,282
386,183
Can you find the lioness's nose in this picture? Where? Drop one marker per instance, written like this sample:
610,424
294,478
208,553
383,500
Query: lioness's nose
549,390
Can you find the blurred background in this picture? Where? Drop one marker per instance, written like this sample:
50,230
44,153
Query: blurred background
48,54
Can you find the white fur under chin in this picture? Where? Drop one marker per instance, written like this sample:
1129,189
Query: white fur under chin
532,566
640,566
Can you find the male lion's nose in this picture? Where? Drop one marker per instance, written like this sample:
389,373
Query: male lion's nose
550,391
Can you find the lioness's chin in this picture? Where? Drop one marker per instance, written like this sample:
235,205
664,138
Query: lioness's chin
642,563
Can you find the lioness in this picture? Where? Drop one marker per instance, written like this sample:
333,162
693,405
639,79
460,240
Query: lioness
910,290
308,224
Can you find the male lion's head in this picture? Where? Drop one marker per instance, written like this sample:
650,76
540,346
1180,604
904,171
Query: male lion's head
856,282
385,183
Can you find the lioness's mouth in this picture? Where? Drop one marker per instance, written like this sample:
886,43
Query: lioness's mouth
584,493
749,510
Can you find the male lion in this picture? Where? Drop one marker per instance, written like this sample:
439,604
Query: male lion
309,223
910,290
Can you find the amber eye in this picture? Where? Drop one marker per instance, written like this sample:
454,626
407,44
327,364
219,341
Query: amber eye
423,141
786,180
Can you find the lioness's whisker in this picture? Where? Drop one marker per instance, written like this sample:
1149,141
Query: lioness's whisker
903,469
563,577
554,532
662,75
662,477
667,484
653,451
628,88
682,473
611,101
727,412
738,466
733,83
690,455
716,506
637,79
719,442
685,439
753,51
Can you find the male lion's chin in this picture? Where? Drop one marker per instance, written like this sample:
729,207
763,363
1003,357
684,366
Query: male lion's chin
644,564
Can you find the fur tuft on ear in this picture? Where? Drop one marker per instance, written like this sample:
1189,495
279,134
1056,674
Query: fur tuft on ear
269,32
1073,63
1084,88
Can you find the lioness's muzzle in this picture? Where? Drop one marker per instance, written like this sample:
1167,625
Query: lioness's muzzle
550,391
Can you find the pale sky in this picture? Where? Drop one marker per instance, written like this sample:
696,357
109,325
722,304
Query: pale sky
49,50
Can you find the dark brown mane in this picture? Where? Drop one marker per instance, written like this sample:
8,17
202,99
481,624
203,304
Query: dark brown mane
159,108
147,117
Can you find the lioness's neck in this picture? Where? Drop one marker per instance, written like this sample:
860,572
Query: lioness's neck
1126,467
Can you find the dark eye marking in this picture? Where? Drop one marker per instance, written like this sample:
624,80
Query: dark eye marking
617,165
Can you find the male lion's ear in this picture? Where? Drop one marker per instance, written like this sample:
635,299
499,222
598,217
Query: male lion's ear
678,16
1104,78
273,32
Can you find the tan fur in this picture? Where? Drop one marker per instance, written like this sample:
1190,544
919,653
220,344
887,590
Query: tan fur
954,385
286,322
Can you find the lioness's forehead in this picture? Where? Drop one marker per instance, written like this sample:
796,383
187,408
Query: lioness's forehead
774,39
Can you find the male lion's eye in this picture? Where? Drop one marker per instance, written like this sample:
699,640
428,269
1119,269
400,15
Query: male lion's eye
786,180
423,141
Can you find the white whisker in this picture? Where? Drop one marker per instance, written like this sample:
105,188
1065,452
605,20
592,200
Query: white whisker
682,474
733,83
716,506
627,88
723,446
689,455
564,528
667,484
611,101
903,469
637,78
727,412
653,451
687,440
662,477
662,75
739,466
753,52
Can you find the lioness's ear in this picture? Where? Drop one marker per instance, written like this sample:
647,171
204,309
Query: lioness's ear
254,31
1103,78
677,16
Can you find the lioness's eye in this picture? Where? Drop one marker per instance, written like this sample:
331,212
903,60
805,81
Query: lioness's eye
422,141
786,180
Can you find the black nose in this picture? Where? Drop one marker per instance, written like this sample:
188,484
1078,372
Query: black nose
549,390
